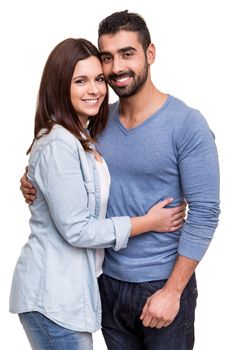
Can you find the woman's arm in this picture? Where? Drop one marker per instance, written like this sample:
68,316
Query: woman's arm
59,177
167,219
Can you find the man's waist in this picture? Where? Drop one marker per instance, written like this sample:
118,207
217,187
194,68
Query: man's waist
138,269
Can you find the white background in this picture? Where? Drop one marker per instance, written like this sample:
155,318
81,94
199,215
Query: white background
194,62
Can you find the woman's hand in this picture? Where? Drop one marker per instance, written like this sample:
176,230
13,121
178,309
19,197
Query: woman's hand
159,219
167,219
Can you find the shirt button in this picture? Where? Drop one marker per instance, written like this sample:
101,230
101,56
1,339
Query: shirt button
97,190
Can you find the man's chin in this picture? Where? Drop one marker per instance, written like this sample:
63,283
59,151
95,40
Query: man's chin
121,92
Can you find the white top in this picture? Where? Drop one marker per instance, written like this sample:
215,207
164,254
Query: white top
104,194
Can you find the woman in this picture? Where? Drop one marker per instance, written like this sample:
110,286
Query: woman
54,288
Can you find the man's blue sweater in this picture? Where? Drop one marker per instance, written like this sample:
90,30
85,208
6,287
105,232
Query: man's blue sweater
171,154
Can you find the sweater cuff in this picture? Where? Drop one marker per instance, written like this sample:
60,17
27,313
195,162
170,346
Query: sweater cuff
192,250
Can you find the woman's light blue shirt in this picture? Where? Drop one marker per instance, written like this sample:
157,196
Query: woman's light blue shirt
55,273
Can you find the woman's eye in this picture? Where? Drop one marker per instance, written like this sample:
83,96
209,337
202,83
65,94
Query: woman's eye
100,80
79,81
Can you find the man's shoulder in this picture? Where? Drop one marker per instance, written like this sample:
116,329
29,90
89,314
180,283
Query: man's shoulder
180,110
179,105
113,108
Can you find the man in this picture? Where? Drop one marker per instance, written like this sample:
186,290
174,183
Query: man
155,147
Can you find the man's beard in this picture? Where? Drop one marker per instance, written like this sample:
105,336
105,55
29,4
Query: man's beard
134,87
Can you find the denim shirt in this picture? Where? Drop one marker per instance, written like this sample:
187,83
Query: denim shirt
55,273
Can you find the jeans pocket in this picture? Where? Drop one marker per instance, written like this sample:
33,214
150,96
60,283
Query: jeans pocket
191,295
153,286
188,306
190,291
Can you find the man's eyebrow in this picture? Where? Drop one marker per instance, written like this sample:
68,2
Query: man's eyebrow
123,50
127,48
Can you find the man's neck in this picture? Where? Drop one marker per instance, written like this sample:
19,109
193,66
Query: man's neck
135,109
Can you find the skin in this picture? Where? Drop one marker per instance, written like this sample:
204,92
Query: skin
88,88
126,80
122,53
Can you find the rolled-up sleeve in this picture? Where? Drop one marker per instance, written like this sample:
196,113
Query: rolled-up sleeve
58,175
199,175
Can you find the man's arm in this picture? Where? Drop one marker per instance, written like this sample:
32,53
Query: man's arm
199,174
27,188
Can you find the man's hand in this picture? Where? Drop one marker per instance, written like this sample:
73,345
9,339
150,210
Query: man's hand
27,189
160,309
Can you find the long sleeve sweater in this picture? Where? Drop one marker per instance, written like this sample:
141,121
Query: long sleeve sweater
171,154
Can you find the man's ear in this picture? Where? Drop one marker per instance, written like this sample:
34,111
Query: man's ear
150,53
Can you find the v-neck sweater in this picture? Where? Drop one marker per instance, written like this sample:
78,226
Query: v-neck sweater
171,154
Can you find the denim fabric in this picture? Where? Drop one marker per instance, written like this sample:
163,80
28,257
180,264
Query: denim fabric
44,334
122,304
55,273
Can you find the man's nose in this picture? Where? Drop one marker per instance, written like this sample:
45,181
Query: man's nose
117,66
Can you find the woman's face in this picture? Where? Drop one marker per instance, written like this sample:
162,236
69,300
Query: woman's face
88,88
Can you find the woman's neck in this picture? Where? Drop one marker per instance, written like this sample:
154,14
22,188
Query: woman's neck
84,120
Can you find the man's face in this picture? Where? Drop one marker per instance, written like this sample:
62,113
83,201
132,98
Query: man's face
124,62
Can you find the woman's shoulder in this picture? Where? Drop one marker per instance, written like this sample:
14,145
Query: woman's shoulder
58,134
58,138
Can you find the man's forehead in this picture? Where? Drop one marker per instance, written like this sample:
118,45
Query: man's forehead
118,41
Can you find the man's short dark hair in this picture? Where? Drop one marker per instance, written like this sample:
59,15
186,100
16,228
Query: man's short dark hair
128,21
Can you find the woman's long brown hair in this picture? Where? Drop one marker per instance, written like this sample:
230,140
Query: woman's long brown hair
54,102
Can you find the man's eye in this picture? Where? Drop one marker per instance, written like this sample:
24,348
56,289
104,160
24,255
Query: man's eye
105,59
127,54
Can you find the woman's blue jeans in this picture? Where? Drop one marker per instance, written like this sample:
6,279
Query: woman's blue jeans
44,334
122,304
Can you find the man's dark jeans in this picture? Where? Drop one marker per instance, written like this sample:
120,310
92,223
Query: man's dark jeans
122,304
